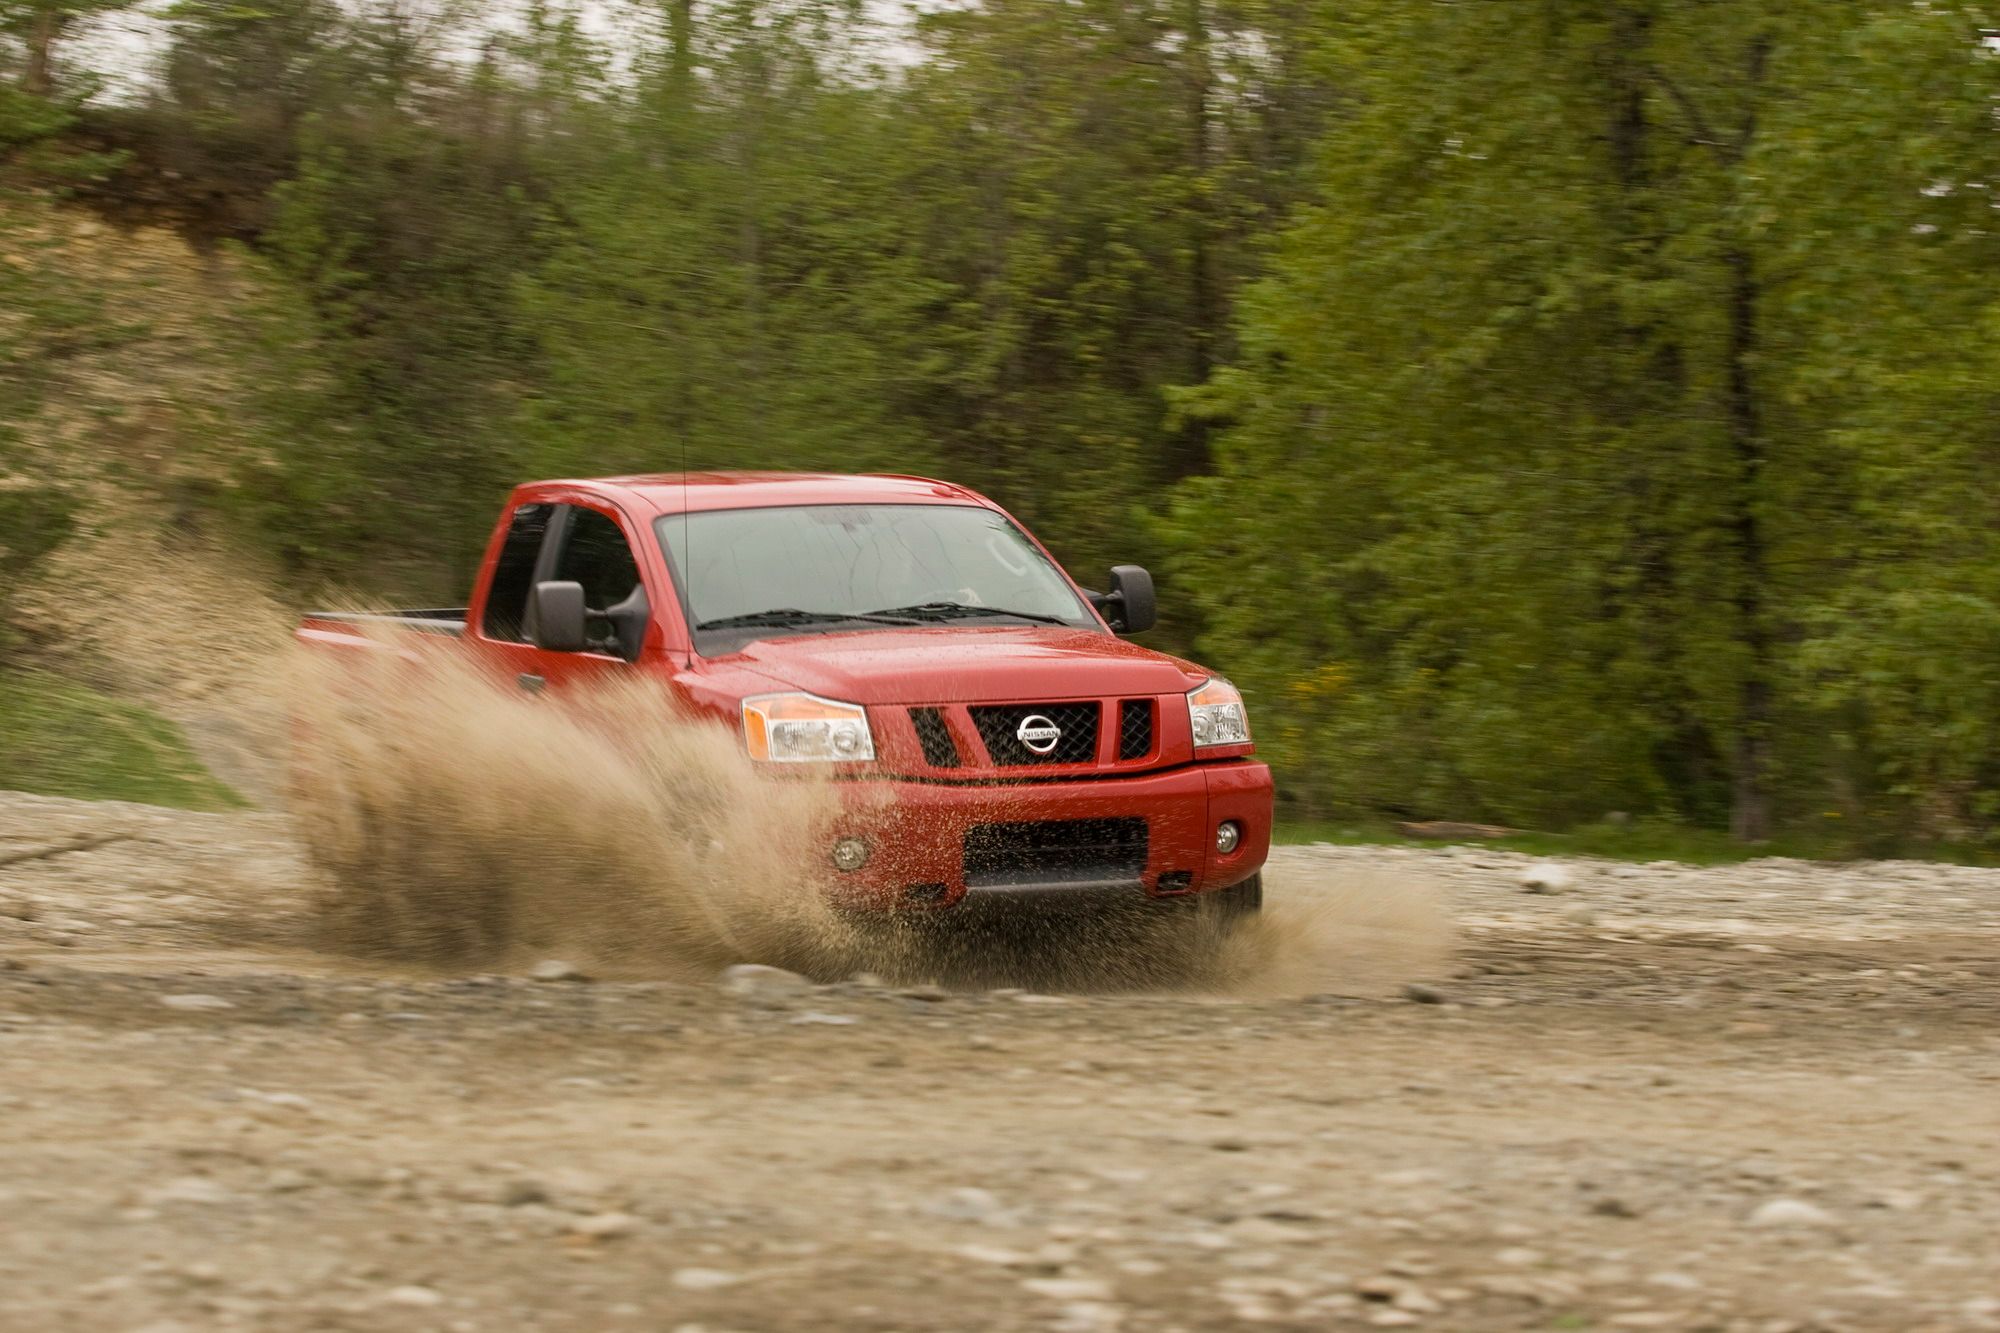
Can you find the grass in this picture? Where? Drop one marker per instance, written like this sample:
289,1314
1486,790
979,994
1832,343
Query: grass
1647,840
58,738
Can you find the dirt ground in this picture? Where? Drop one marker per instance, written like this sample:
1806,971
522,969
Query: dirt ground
1763,1097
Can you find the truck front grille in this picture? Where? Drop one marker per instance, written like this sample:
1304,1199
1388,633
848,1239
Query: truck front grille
1055,851
1076,723
1135,728
940,750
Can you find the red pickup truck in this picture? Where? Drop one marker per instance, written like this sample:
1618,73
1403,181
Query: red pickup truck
904,635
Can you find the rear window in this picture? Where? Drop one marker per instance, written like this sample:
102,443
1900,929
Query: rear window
507,599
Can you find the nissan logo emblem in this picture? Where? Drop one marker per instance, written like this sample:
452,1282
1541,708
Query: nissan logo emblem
1038,733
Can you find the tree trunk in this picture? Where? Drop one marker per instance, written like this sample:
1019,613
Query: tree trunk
1750,806
756,98
680,38
1750,802
38,78
1204,295
1632,32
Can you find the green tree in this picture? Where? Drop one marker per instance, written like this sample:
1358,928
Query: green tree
227,112
1092,179
37,28
727,282
1885,209
409,216
1531,383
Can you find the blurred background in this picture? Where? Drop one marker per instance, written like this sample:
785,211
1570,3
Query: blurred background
1573,415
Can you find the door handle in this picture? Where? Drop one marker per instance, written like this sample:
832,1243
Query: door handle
531,683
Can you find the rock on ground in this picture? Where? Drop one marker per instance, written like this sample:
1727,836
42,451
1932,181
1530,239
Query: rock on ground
1735,1098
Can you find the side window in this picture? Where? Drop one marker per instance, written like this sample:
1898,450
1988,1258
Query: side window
595,554
507,599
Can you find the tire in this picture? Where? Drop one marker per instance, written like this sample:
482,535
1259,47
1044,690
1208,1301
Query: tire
1237,903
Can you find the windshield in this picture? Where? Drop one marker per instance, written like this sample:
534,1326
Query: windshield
753,573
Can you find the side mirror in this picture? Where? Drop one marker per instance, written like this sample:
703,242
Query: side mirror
555,613
1130,606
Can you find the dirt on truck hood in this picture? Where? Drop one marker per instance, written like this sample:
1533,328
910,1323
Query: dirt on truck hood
961,663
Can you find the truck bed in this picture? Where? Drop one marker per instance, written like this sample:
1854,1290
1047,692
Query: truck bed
427,620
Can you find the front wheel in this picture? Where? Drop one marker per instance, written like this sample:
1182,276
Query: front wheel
1236,904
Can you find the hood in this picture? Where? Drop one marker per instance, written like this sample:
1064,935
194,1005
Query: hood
965,664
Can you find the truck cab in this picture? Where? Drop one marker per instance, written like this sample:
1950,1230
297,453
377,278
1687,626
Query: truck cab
907,637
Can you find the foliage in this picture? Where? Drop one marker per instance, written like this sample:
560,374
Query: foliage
1540,408
404,244
38,27
1570,377
38,319
1826,838
726,282
25,118
33,523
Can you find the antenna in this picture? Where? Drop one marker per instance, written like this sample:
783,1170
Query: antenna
687,543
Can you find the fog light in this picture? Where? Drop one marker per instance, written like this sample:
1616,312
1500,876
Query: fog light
850,854
1227,836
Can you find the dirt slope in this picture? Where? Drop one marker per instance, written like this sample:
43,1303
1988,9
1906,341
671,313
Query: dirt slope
1758,1098
144,411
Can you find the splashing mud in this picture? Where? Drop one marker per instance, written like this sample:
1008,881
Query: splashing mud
1320,933
1339,932
461,823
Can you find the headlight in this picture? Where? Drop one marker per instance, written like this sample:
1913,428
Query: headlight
1216,712
803,728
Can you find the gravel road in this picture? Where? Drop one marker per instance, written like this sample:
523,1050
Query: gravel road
1759,1098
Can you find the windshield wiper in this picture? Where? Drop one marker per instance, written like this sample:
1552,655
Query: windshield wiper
962,610
791,615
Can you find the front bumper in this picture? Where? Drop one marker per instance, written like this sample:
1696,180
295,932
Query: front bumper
916,832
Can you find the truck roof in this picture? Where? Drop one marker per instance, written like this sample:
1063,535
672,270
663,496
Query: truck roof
675,492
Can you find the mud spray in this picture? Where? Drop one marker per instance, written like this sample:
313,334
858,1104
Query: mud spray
460,823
